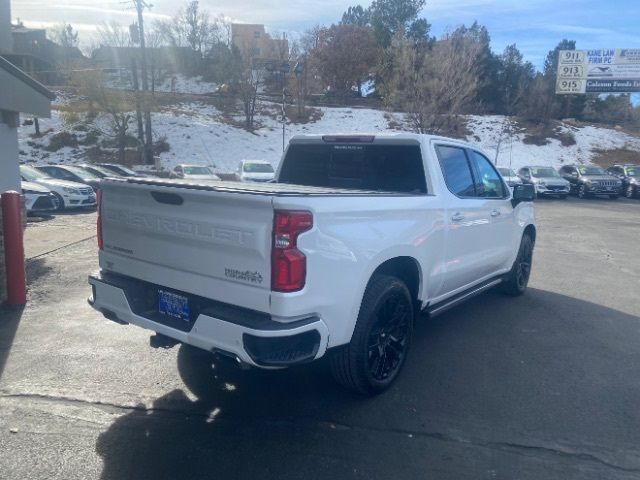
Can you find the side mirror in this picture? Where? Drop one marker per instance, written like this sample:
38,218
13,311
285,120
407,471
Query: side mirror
523,193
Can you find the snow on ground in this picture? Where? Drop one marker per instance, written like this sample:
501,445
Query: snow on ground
195,139
185,84
515,153
197,134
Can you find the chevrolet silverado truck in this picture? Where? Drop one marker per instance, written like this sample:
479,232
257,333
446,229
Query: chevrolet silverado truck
358,235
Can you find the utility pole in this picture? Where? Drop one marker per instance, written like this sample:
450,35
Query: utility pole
140,5
136,88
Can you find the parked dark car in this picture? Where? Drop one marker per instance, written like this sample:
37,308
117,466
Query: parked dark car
98,171
71,174
590,180
121,170
629,175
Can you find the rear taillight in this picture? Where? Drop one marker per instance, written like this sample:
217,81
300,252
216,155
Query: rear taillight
288,264
99,221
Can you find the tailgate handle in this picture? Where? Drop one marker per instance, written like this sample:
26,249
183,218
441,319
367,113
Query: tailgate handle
168,198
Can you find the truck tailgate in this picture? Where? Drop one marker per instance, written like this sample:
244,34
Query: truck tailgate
209,243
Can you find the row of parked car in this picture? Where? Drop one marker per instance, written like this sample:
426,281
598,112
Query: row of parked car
581,180
50,188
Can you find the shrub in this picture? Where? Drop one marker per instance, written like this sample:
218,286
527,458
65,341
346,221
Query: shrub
161,146
61,140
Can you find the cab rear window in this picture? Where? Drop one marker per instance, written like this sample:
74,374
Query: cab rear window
387,168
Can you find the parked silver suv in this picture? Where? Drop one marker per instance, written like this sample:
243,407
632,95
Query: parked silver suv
546,181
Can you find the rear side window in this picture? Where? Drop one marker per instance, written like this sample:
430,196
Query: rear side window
488,183
457,171
387,168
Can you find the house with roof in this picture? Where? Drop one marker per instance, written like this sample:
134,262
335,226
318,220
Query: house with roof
20,93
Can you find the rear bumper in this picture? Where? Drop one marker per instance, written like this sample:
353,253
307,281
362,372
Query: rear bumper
251,337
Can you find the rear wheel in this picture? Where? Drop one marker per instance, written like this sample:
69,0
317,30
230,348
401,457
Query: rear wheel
518,278
378,349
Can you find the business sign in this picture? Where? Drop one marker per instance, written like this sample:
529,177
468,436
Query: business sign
598,71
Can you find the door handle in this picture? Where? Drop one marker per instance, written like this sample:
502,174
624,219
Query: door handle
495,213
458,217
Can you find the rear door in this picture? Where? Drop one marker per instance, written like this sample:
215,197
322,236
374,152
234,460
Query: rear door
209,243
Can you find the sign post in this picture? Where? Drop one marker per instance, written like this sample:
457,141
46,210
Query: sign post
598,71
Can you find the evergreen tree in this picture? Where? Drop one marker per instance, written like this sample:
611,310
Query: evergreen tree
356,15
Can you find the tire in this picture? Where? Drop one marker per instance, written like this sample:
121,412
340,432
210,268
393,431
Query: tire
518,278
370,363
614,197
582,191
60,202
629,192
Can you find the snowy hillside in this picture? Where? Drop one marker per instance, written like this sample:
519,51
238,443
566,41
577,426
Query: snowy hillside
197,133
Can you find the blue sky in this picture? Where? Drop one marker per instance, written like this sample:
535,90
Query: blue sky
535,26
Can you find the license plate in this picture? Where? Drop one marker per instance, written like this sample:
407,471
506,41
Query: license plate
173,305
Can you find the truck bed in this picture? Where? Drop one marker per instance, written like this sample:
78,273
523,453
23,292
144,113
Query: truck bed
256,188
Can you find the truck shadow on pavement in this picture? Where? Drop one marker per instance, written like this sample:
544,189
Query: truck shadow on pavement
498,384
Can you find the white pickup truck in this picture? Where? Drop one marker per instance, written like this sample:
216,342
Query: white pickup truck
358,235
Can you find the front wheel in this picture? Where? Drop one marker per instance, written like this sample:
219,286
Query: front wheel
582,191
370,363
518,278
629,192
60,200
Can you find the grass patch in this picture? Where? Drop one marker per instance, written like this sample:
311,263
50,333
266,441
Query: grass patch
607,158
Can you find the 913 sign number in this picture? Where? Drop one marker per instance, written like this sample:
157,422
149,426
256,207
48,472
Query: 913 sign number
571,71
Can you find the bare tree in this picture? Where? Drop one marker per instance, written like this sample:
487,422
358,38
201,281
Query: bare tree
251,77
192,27
338,64
117,105
113,34
434,85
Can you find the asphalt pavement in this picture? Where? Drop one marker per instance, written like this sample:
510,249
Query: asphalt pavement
545,386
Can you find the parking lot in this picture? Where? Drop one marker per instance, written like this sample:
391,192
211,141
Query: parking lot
544,386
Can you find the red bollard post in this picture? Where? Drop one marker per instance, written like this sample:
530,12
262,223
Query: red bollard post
14,248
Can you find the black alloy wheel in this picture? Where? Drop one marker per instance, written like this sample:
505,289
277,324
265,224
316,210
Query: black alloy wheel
387,346
523,267
582,191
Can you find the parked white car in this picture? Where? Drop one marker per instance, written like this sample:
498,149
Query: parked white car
255,171
510,177
339,257
69,194
194,172
38,198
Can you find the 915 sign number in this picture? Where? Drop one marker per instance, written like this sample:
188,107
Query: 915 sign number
570,86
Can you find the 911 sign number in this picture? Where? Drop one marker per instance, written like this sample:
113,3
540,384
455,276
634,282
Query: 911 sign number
570,86
569,57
